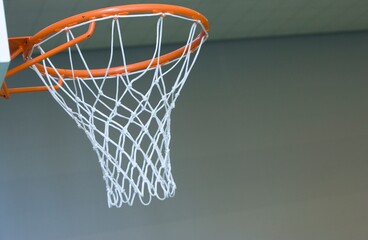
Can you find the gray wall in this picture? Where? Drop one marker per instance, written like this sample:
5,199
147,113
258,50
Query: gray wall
269,142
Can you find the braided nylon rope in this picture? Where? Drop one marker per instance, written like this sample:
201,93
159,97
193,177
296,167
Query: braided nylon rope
126,117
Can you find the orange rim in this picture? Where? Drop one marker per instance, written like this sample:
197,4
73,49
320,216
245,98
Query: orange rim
26,47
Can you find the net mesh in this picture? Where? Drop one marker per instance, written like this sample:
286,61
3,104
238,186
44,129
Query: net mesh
126,117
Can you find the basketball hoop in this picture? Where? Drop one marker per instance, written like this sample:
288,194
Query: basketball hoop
124,110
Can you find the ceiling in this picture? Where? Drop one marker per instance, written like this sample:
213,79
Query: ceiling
235,19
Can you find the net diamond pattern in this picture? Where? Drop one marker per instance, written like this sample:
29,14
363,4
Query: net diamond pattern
126,117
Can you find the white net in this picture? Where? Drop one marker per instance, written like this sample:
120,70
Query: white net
127,116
